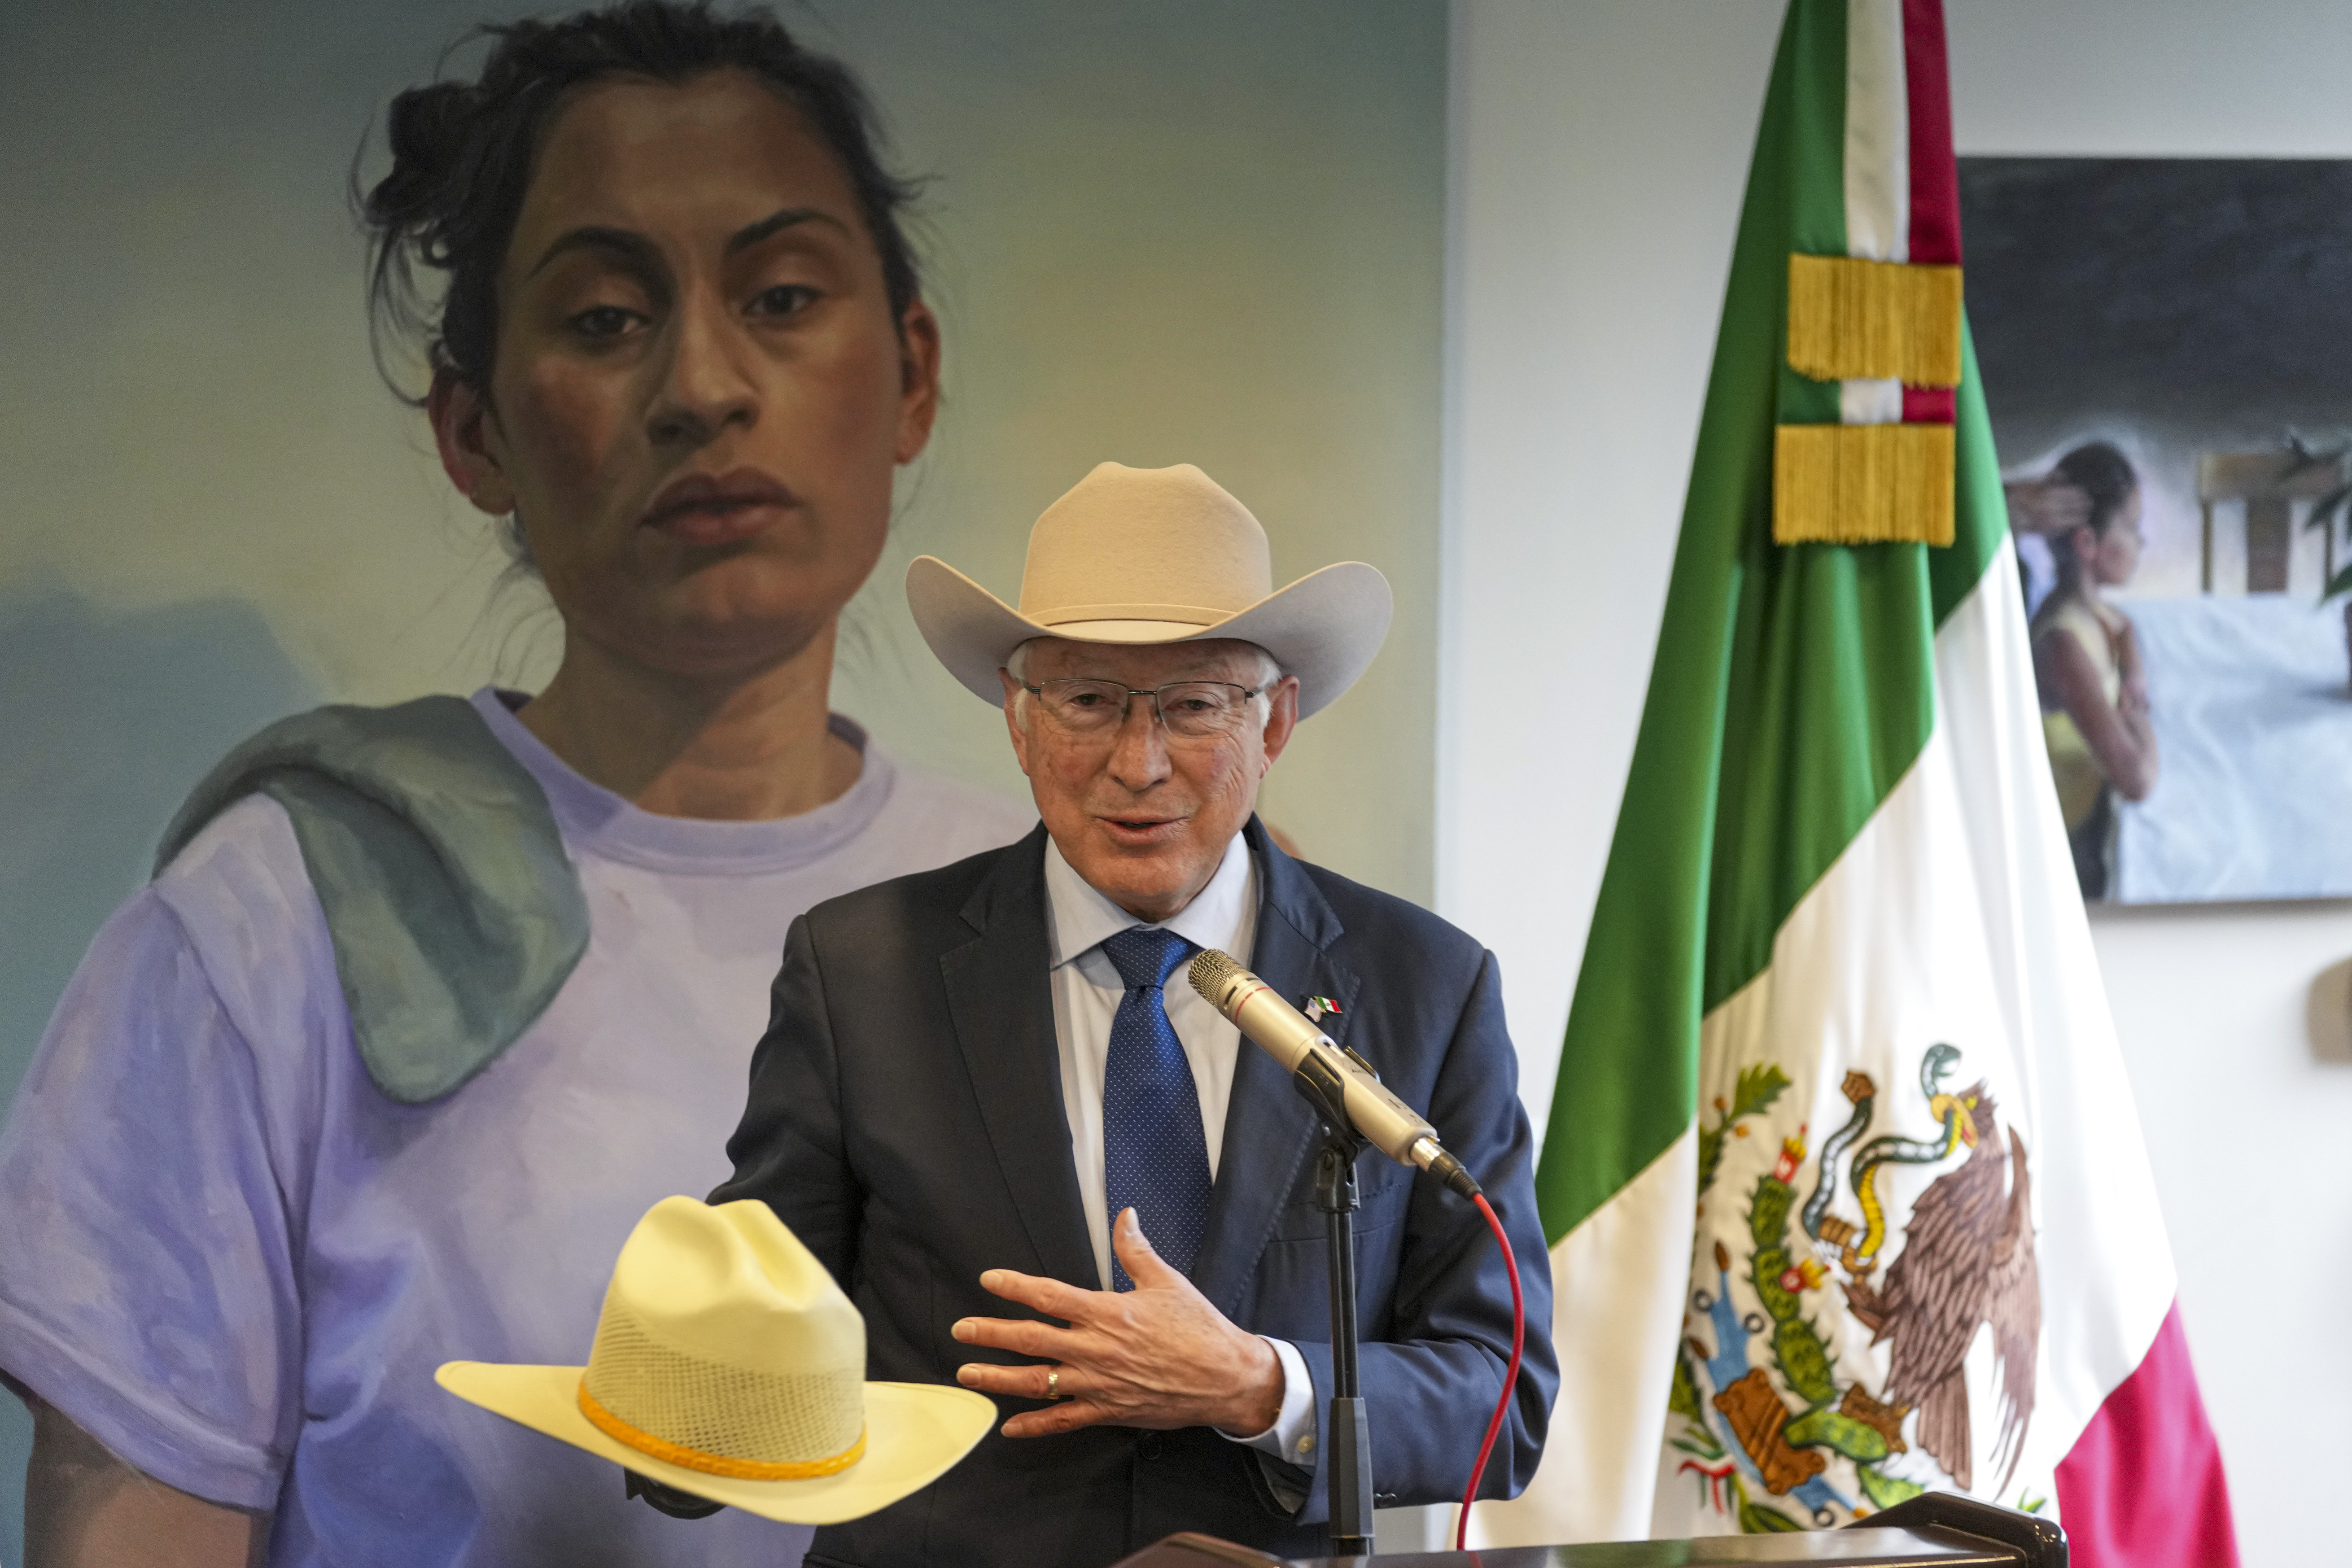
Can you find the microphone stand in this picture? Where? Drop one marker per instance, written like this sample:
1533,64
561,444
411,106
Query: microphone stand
1348,1445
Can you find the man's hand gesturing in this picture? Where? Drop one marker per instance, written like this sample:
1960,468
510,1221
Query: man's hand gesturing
1157,1355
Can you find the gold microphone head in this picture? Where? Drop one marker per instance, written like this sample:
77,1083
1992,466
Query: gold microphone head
1212,973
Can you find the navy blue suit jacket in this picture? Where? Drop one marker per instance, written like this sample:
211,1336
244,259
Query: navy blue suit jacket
904,1119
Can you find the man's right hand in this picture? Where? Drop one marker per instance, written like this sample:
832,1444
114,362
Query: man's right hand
1157,1356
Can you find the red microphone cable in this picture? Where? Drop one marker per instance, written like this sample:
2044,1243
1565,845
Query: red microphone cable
1510,1378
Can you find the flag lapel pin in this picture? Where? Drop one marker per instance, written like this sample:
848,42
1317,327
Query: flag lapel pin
1321,1008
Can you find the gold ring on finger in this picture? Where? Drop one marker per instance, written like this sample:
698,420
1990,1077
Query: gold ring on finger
1053,1384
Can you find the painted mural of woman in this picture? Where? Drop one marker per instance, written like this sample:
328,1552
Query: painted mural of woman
426,1005
2087,661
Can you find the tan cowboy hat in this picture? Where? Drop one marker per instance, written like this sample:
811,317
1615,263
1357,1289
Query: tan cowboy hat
729,1364
1155,555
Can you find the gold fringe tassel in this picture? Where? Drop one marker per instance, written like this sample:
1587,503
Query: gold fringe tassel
1878,321
1861,484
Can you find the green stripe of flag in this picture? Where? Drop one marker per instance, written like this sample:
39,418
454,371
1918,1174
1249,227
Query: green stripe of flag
1791,688
1980,512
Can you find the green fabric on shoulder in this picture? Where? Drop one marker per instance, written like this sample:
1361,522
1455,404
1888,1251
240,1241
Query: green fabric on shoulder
454,913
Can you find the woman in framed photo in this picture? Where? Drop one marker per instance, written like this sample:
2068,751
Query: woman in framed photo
2087,661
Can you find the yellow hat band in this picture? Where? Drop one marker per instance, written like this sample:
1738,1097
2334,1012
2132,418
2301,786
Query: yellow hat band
689,1458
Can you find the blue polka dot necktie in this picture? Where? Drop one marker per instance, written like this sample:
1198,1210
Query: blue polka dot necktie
1155,1155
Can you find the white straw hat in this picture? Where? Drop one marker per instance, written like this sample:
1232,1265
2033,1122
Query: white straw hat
1155,555
729,1364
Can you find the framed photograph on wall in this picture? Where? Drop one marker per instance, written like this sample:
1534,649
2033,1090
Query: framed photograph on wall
2167,347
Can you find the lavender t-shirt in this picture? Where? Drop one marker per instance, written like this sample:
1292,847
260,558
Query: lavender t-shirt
231,1259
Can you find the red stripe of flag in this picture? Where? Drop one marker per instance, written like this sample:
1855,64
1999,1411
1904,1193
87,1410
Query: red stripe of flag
1929,405
2142,1487
1935,172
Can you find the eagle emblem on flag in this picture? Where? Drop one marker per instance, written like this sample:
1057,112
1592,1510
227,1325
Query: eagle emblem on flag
1967,1264
1767,1404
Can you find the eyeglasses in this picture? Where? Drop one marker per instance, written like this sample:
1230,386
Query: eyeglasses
1189,710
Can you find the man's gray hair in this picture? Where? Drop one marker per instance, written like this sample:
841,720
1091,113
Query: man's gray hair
1016,665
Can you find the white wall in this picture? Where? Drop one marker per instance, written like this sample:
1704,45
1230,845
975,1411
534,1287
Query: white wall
1600,151
1599,155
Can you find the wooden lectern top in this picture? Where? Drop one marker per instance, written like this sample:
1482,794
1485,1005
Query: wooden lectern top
1934,1529
1925,1548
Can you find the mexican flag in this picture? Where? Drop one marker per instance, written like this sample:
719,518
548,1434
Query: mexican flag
1845,1187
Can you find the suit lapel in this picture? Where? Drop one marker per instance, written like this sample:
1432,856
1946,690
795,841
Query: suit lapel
1270,1132
998,988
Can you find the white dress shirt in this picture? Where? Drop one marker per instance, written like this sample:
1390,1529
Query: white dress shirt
1086,993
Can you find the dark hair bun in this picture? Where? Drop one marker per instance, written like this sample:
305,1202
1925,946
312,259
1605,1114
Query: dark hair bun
426,128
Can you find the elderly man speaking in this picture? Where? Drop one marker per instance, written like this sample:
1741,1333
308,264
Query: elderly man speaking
1045,1172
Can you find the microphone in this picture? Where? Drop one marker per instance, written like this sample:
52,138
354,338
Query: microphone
1330,1074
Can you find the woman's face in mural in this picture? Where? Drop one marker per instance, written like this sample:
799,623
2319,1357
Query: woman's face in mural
698,393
